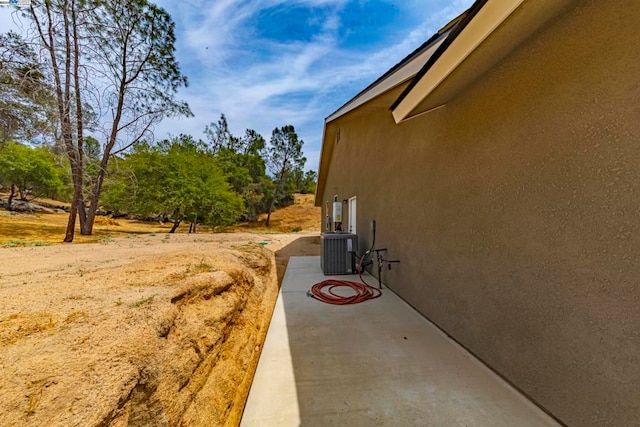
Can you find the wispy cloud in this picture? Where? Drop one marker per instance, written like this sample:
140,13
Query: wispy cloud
241,62
298,82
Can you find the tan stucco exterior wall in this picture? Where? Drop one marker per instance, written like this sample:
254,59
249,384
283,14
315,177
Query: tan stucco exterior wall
515,212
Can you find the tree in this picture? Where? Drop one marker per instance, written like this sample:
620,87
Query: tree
242,160
309,182
220,136
304,182
114,61
121,185
25,97
29,171
253,146
284,155
257,193
176,179
92,165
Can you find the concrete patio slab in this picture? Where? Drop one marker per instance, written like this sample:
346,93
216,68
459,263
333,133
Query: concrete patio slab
379,363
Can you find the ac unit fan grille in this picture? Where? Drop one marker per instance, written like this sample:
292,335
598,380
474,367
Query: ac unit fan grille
336,256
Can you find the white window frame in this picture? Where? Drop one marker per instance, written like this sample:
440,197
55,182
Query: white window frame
353,216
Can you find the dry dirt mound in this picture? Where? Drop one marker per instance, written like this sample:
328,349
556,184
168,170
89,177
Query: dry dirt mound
143,331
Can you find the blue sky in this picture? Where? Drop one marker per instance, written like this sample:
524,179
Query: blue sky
269,63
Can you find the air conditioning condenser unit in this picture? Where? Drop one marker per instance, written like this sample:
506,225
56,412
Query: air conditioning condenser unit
338,253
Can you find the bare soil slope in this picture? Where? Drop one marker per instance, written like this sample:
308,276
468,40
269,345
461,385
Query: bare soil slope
142,331
153,330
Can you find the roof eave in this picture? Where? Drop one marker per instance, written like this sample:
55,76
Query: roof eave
430,47
435,85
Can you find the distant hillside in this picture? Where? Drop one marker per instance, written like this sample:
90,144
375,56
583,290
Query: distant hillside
301,216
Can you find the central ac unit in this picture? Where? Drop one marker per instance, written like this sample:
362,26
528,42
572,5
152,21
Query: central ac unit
337,253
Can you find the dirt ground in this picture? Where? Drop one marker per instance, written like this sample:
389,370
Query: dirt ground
18,229
153,330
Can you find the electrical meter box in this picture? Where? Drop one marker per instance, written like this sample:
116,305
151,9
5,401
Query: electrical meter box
338,253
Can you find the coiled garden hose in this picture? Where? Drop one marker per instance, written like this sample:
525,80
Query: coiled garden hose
323,291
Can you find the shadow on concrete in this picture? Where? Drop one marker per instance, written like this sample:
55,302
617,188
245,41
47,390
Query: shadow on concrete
303,246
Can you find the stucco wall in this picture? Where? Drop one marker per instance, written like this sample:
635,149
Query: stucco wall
515,212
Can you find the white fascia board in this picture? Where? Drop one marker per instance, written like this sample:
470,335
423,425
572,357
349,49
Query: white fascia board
492,14
400,76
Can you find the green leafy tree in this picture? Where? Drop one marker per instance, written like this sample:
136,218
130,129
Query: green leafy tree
120,187
258,194
30,171
309,183
176,179
284,156
304,182
242,161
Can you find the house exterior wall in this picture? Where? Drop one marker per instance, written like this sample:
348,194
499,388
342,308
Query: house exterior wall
515,212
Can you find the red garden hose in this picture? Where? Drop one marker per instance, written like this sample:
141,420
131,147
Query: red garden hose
363,291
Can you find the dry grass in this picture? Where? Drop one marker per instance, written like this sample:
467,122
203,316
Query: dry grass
17,326
46,229
42,229
301,216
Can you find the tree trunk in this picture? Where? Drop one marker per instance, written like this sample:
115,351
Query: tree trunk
95,195
87,230
176,224
67,133
79,170
12,195
76,210
192,226
278,190
82,214
63,101
71,223
273,199
77,204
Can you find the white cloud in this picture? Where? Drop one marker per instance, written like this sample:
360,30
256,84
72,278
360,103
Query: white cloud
248,95
278,83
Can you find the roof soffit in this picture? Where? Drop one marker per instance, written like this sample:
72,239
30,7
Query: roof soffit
494,32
